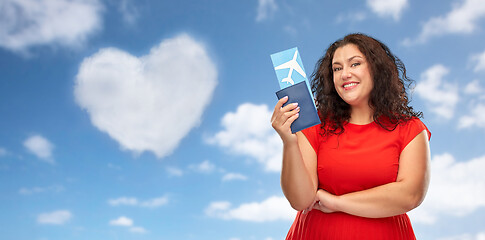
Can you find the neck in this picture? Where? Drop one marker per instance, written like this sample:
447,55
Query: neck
361,115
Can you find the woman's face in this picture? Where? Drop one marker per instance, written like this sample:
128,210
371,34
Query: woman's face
351,75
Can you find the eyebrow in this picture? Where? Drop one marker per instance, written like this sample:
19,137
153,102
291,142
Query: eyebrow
350,59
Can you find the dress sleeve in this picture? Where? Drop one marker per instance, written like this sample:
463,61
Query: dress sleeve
312,134
412,128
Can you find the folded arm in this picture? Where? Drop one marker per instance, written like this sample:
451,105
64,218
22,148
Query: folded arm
389,199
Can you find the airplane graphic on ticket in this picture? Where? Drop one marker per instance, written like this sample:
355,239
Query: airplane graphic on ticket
285,64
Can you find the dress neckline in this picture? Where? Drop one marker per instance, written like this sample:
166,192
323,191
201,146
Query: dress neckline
359,125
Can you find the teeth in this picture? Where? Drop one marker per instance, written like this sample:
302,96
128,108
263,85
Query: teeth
349,85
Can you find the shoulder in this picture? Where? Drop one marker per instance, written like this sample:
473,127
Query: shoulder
313,135
404,127
410,129
414,126
312,132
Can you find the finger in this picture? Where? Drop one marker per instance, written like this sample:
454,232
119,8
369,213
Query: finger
285,112
289,113
289,107
309,208
278,106
286,122
295,114
316,206
280,103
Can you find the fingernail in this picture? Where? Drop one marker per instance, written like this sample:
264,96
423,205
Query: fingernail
295,104
297,109
285,97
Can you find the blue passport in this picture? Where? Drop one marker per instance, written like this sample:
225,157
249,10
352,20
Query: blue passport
294,84
308,113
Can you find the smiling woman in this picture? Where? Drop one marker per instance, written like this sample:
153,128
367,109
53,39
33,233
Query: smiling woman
357,174
351,77
364,57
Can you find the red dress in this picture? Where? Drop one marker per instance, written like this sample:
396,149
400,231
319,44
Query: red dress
363,157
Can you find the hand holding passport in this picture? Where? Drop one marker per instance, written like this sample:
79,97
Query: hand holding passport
294,84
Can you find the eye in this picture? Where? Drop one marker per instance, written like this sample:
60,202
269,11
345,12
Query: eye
335,69
355,64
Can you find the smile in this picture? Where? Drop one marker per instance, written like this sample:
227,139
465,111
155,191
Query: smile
348,86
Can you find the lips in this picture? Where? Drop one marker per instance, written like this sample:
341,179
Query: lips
349,85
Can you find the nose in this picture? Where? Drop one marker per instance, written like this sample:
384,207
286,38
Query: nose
346,74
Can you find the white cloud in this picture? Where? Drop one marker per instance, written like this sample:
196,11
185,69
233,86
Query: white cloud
138,230
174,172
34,190
203,167
233,176
466,236
388,8
473,88
457,188
128,223
132,201
462,19
440,95
215,209
266,9
56,218
479,59
121,221
29,23
475,117
271,209
40,147
248,132
128,10
155,202
354,16
147,103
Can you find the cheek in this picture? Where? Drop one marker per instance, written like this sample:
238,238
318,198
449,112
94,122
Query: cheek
335,86
335,76
371,82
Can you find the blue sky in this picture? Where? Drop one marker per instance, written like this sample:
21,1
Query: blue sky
150,119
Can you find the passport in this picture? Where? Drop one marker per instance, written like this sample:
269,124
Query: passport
308,112
293,82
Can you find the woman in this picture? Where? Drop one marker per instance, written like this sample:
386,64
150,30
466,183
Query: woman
357,174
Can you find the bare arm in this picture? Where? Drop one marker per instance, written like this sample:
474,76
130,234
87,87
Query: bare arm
389,199
298,174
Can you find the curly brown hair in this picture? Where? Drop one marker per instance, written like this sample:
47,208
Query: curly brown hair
388,97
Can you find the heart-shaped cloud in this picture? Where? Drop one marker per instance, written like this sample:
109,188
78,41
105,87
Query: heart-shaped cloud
147,103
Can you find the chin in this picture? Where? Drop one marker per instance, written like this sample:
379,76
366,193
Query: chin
350,101
353,101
